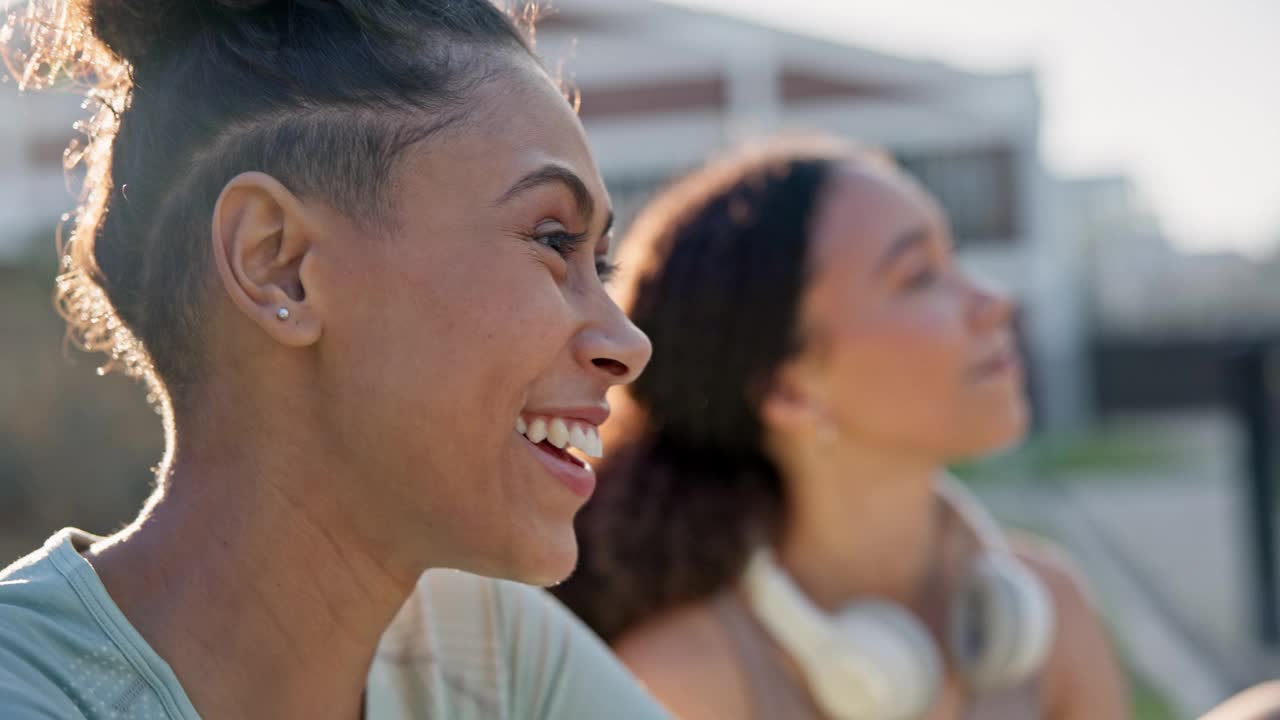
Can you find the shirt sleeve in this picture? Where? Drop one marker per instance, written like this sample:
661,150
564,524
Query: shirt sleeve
559,668
27,695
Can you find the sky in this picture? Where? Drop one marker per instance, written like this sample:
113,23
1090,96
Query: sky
1183,95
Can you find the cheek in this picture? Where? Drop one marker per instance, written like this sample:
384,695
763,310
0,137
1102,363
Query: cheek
451,348
478,314
895,373
446,340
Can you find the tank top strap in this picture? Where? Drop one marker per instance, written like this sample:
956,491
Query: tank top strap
1021,702
772,693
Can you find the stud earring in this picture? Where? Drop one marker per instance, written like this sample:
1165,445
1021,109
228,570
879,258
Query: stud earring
827,434
282,314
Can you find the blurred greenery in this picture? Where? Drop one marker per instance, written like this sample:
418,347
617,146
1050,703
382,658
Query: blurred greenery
1148,704
1105,449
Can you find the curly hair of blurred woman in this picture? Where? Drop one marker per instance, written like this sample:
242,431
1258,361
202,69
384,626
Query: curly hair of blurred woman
715,271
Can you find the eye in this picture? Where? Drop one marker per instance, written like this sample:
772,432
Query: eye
565,243
559,240
920,278
605,268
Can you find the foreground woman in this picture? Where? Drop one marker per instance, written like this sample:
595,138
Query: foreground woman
352,246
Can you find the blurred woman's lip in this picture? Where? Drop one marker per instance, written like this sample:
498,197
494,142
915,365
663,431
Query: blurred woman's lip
1001,363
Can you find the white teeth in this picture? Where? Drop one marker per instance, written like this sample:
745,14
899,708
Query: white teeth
585,438
562,434
578,438
558,433
537,431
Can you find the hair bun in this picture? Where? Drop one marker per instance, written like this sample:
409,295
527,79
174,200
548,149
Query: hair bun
134,29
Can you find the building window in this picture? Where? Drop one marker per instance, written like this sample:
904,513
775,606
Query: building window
977,187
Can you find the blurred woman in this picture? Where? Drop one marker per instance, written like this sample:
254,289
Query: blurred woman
357,250
775,536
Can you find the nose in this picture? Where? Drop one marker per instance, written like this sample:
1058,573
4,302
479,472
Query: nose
991,309
614,349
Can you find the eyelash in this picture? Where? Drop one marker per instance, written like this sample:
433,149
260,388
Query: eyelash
565,244
921,278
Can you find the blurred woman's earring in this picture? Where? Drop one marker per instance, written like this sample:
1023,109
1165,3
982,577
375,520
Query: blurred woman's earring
283,313
827,434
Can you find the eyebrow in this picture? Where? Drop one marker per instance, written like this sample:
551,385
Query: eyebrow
550,175
905,243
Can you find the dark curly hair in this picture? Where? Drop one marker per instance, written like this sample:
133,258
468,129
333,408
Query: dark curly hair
324,95
716,269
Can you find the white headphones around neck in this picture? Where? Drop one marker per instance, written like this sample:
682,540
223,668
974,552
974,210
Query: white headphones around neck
875,660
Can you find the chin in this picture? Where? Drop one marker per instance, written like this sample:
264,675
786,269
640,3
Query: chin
1005,432
992,432
547,562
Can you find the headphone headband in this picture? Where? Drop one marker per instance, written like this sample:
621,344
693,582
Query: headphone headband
960,500
873,659
784,610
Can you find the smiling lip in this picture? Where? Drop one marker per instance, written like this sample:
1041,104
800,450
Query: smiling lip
594,414
1004,362
572,472
580,479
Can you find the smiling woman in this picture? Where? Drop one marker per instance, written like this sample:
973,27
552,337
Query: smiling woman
356,250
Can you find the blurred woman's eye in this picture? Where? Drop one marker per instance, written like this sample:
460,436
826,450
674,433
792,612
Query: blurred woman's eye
919,274
920,279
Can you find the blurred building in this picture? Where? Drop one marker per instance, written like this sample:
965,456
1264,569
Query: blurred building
663,87
1142,286
1168,327
34,191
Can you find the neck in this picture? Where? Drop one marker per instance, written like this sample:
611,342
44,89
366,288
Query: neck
860,524
263,601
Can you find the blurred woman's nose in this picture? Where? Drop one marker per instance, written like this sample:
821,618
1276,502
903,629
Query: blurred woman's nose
991,308
615,349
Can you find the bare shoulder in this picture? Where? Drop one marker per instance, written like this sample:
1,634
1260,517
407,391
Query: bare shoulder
685,659
1055,568
1082,677
1073,602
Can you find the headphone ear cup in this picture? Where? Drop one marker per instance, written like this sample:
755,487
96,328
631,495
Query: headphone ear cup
880,664
1002,624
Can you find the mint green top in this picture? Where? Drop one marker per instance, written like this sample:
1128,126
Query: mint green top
462,647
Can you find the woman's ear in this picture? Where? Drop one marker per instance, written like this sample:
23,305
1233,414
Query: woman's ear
262,239
791,404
